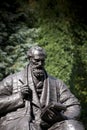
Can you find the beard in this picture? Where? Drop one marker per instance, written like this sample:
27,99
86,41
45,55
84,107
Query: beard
38,72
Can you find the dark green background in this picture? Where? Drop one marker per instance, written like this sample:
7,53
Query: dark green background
59,26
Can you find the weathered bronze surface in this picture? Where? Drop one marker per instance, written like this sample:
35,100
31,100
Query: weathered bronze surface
33,100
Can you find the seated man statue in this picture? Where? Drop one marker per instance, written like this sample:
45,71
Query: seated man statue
33,100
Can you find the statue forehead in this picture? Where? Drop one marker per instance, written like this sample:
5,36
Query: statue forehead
37,54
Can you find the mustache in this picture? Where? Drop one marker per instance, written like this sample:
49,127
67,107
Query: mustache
38,70
37,67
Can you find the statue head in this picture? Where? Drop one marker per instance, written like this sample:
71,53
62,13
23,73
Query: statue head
37,56
36,51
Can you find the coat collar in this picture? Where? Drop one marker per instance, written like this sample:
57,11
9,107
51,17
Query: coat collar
47,91
45,96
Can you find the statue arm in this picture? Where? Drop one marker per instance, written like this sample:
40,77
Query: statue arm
70,101
6,86
8,100
10,103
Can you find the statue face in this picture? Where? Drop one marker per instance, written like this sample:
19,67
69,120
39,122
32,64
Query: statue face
37,64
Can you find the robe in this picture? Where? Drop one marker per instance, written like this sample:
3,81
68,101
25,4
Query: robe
16,114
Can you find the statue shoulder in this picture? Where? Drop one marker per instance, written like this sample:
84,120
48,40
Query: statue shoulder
10,78
18,76
58,82
52,77
55,79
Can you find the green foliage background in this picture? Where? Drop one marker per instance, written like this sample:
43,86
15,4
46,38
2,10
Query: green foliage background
57,27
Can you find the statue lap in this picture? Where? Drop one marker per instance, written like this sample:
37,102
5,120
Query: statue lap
68,125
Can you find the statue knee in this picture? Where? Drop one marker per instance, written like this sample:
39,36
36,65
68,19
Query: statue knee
68,125
73,125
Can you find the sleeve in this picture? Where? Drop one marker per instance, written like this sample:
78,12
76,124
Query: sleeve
70,101
6,86
8,100
10,103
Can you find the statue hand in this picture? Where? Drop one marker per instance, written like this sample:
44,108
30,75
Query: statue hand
52,113
26,92
44,125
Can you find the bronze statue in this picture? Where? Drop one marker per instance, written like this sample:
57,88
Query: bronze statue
33,100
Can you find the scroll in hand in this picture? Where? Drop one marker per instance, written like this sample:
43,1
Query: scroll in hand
53,113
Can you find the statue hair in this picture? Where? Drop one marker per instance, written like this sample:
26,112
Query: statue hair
32,50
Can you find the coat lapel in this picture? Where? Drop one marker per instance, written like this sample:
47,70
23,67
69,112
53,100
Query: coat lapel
45,96
49,92
35,99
